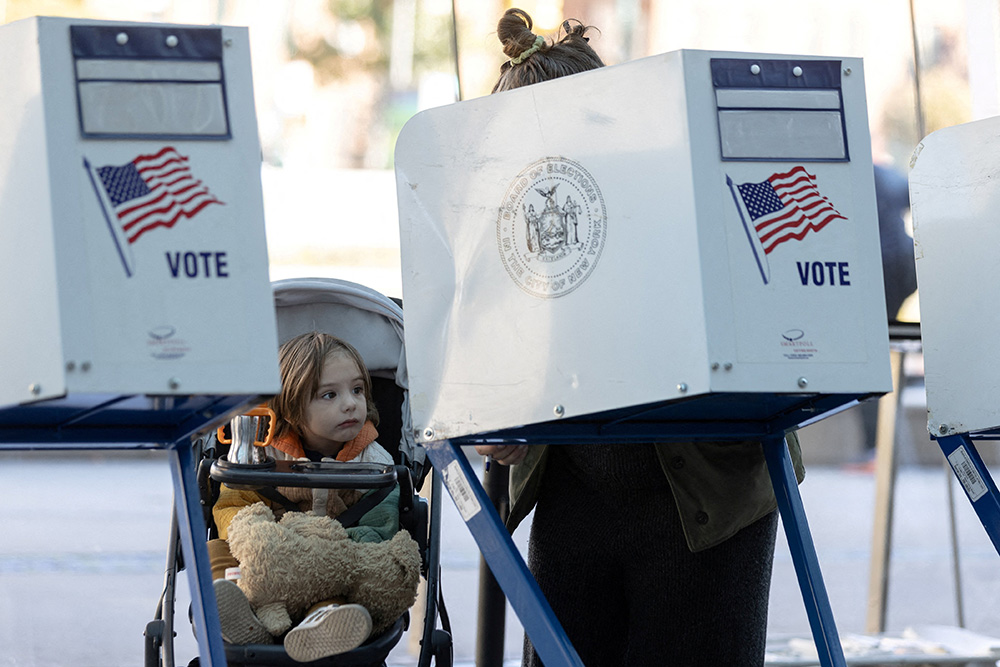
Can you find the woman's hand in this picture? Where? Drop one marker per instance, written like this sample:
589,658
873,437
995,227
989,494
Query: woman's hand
505,454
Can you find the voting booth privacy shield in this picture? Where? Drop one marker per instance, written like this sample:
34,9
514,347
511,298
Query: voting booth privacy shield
133,256
688,225
954,197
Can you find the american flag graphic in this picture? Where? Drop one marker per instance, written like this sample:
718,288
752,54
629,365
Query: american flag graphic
153,191
785,207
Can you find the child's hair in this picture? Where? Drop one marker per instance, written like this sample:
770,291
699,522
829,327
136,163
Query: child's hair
301,360
532,59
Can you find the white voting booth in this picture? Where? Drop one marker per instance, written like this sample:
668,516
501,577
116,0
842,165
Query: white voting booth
134,254
672,262
954,196
684,245
134,266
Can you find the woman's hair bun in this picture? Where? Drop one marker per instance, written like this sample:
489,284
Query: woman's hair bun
514,32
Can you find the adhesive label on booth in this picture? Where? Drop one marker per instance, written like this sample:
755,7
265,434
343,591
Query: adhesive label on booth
551,227
461,491
967,474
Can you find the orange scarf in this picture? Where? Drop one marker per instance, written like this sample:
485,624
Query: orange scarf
291,444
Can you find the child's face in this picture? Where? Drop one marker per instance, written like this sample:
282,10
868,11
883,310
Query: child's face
337,412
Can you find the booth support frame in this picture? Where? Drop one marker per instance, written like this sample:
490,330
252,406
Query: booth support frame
530,605
121,423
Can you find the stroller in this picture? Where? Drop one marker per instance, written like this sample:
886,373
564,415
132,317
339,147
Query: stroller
373,324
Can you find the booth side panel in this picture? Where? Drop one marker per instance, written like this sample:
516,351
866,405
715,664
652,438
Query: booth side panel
83,321
31,349
954,197
504,331
711,204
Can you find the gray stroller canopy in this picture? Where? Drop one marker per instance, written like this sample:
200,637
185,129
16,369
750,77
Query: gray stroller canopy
366,319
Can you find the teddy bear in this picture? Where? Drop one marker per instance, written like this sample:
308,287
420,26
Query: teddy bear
288,566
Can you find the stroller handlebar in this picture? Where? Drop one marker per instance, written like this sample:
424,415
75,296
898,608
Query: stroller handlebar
311,474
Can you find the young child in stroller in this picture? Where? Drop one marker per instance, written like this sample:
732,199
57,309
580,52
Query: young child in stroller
325,411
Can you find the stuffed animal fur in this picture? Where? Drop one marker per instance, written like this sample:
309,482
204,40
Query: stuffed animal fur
289,565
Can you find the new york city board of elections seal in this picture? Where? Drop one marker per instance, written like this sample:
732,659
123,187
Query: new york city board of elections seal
552,227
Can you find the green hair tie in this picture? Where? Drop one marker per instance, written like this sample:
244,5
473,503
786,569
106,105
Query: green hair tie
539,40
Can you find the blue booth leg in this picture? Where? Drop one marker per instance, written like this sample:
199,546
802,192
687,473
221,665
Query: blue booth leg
793,518
531,607
193,533
979,486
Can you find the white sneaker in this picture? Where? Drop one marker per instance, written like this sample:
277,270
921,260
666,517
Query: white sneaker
239,624
329,630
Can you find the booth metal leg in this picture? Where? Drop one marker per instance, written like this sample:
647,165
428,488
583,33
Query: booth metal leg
956,563
979,486
793,518
497,548
192,533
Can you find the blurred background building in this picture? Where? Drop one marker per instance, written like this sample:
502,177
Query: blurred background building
335,80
